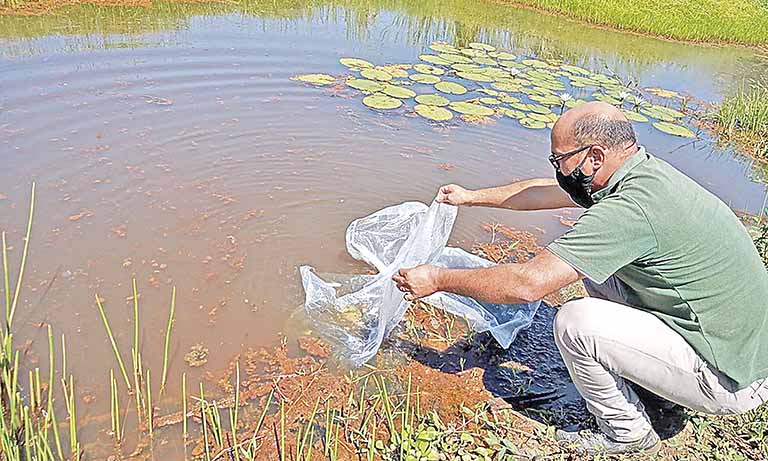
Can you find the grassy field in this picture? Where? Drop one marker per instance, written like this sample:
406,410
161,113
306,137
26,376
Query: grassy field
723,21
743,119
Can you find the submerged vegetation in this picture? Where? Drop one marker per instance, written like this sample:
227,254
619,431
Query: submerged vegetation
743,118
723,21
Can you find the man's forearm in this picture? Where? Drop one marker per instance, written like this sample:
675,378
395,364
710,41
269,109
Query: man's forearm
502,284
530,194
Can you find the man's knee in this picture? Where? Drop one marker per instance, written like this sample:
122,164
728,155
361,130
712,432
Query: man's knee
576,318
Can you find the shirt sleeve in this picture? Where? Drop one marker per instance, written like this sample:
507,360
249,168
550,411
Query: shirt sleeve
608,236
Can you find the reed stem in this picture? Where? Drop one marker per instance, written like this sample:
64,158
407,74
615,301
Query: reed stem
112,340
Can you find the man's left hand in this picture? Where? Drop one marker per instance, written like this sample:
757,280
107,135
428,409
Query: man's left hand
418,282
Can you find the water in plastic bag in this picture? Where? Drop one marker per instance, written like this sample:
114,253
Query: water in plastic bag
359,311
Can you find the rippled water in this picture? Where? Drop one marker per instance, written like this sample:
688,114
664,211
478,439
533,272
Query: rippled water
168,144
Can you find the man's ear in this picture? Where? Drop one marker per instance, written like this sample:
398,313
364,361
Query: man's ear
598,157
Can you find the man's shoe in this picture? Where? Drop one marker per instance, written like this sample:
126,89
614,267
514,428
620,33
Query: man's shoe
589,442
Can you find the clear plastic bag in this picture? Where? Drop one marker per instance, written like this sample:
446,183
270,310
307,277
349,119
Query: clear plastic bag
359,311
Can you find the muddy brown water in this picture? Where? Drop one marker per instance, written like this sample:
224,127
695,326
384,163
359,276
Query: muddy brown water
168,144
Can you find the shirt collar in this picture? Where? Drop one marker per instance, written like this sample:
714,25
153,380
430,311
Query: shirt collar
636,159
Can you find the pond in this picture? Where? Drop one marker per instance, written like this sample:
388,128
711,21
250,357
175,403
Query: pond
168,143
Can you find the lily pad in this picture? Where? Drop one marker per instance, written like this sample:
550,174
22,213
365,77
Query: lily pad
539,117
634,116
398,92
571,103
504,97
476,76
513,113
427,69
468,68
482,46
575,69
439,114
605,98
315,79
667,111
432,100
382,102
443,48
503,55
490,101
549,100
484,60
674,129
471,52
511,64
662,93
489,92
539,109
658,113
507,86
355,63
454,58
520,106
531,123
396,70
376,74
450,88
469,108
424,78
535,63
433,59
363,84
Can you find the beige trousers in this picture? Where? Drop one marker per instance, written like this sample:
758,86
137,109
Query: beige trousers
605,343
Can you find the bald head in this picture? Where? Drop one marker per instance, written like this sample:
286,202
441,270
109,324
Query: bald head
596,123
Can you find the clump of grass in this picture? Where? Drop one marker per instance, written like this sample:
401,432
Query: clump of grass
743,118
727,21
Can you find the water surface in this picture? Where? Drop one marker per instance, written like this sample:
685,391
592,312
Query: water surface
168,144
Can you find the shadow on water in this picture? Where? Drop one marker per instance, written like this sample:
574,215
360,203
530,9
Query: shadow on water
532,377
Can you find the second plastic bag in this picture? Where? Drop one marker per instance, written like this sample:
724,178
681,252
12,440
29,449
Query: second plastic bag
359,311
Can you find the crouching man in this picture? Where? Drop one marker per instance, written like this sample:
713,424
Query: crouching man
678,295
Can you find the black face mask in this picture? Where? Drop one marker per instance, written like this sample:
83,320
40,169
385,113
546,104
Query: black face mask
577,185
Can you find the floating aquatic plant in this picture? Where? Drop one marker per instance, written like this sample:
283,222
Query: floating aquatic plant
524,88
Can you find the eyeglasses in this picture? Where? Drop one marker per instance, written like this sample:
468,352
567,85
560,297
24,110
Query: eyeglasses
555,159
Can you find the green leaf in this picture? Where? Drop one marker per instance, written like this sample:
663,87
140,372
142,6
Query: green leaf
433,59
634,116
315,79
482,46
575,69
674,129
439,114
424,78
443,48
502,55
476,76
507,86
432,100
454,58
450,88
531,123
355,63
382,102
376,74
398,92
484,60
513,113
490,101
468,108
427,69
363,84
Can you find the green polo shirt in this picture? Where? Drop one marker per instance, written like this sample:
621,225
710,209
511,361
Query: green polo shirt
682,255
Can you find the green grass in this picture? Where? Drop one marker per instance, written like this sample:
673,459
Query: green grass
728,21
743,118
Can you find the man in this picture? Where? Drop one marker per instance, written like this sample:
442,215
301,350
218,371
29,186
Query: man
677,291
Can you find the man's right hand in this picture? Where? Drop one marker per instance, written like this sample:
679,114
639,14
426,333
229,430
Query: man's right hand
454,194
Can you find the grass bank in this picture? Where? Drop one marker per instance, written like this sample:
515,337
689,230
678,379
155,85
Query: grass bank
742,118
742,22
